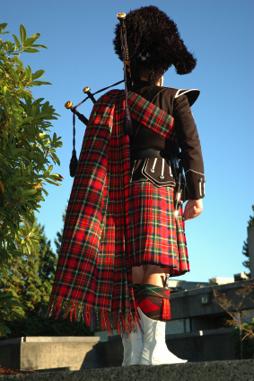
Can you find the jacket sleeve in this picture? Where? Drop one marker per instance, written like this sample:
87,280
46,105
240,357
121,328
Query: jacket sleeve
189,143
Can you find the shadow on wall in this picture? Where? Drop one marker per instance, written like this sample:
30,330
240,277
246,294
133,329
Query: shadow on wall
220,345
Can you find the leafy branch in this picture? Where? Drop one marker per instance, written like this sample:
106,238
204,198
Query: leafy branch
28,148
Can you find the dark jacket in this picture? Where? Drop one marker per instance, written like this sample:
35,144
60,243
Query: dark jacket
185,143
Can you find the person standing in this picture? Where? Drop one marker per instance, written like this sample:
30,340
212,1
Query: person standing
124,230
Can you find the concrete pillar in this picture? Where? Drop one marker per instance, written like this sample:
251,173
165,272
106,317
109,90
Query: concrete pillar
251,248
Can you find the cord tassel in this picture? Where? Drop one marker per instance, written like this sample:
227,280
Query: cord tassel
73,164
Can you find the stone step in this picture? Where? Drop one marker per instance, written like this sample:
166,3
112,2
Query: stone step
236,370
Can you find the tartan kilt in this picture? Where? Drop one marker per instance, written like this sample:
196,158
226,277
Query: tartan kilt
154,234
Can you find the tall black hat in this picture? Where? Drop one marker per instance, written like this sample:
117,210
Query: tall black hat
154,43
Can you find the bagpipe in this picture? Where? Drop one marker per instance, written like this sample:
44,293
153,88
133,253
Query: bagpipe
91,96
128,122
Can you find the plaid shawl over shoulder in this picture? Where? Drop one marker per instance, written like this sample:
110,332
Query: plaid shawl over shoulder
92,281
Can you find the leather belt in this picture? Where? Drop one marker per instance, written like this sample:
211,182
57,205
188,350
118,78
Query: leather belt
145,153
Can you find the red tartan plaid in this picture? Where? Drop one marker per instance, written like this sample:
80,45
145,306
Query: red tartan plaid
105,214
155,236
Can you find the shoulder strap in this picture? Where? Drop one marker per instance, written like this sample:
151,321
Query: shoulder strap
150,115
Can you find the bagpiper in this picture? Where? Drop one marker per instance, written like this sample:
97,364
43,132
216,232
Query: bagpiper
124,231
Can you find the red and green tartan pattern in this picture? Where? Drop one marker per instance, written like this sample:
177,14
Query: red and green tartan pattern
153,301
155,235
93,276
150,116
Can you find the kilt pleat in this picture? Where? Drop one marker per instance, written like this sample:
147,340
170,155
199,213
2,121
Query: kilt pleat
155,235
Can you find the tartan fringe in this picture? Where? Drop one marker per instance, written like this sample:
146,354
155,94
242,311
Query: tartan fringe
95,318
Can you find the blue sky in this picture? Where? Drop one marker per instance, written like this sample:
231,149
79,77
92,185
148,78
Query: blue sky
79,36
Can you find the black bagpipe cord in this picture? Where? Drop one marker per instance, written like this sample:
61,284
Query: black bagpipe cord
74,161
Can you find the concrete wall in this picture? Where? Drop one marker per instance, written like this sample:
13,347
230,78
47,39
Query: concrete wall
41,353
35,353
38,353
